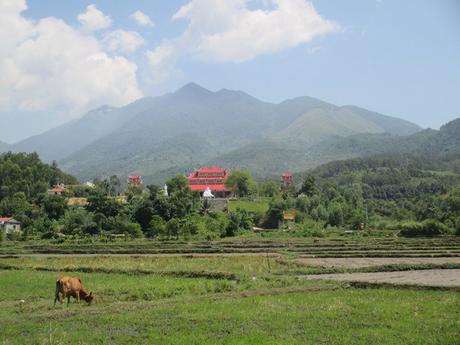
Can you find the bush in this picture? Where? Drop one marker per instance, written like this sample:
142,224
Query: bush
428,228
309,228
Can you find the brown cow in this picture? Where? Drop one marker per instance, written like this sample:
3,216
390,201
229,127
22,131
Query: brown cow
71,286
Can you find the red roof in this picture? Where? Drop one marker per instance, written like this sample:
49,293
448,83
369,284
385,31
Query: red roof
202,187
57,189
211,169
7,219
134,177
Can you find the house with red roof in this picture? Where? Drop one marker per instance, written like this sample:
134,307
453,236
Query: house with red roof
57,190
209,177
9,225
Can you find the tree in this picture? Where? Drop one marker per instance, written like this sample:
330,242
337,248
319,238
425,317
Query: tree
238,220
114,185
336,215
173,228
78,221
122,224
157,227
100,203
309,186
275,213
178,183
241,183
54,206
269,189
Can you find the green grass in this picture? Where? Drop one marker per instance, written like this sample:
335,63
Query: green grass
344,316
238,299
254,206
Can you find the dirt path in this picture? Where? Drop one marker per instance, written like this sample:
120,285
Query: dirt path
371,262
445,277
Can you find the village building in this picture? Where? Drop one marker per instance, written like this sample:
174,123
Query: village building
210,180
9,225
287,182
57,190
135,180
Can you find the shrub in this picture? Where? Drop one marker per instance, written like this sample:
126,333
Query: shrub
428,228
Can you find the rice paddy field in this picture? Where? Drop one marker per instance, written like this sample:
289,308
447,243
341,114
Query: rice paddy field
229,292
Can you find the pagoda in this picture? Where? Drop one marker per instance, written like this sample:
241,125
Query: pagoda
211,179
135,180
287,182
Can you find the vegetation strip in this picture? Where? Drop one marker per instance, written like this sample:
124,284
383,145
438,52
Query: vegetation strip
373,285
86,269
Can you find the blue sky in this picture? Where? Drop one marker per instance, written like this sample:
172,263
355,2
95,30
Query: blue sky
400,58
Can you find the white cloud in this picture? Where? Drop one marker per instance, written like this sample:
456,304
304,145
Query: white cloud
162,61
123,41
142,19
50,66
228,31
93,19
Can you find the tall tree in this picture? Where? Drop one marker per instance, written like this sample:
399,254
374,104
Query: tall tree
241,183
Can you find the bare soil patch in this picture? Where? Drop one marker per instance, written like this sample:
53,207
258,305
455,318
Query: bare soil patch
441,278
373,262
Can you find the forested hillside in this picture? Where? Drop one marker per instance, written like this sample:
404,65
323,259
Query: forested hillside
24,180
396,190
193,125
270,158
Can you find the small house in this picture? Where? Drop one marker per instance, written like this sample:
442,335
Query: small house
9,225
57,190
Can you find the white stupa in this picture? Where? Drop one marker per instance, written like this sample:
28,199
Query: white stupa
207,193
165,190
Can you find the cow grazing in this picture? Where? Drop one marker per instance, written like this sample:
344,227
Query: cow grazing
71,287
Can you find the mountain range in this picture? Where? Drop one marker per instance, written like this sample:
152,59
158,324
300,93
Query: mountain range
160,136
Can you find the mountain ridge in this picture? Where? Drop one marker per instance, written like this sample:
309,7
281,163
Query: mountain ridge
206,124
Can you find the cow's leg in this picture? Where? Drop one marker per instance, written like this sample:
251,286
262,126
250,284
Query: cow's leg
78,297
68,299
56,293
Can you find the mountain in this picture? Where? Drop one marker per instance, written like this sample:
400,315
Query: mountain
63,140
4,147
434,146
326,121
193,126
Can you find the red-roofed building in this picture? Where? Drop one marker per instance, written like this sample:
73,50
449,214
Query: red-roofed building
210,177
9,225
135,180
57,190
287,182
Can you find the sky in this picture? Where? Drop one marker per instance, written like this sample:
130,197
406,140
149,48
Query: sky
60,59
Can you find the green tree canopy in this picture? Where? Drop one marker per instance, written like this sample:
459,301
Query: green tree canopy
241,183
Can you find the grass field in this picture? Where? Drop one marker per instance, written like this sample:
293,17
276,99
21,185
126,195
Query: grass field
255,206
233,299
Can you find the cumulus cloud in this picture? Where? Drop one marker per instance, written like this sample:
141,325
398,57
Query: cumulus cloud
49,65
163,62
123,41
229,31
93,19
142,19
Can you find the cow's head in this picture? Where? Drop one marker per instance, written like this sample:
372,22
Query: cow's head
89,297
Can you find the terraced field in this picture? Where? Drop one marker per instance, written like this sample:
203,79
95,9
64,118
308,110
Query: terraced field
304,248
232,292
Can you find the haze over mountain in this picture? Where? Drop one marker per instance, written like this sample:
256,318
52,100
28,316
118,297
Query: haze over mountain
427,144
4,146
194,126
